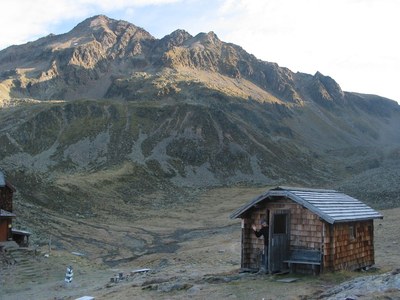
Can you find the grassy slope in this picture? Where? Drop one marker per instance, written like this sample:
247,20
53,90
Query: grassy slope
194,243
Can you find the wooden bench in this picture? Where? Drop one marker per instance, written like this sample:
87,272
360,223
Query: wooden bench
304,257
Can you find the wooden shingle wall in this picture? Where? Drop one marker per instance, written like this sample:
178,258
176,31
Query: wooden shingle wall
349,249
305,230
252,246
305,226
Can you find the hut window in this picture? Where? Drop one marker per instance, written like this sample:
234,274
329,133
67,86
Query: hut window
280,223
352,232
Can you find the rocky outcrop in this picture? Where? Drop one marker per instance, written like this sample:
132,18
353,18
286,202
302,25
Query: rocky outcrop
106,53
384,286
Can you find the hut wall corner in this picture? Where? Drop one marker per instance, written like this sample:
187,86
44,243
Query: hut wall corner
349,245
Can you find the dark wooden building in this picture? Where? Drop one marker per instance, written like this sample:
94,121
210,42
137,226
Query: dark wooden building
6,208
5,225
309,230
6,194
7,232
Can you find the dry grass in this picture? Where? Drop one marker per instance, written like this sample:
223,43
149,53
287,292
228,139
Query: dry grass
194,243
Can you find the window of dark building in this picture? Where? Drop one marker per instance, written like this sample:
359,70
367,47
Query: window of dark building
280,224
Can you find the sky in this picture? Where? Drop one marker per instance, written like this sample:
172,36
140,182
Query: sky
356,42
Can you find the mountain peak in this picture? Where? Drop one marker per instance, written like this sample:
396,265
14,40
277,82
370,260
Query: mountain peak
102,23
104,53
176,38
330,86
98,20
209,37
93,22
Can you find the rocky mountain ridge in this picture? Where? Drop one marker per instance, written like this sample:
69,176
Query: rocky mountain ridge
109,107
103,49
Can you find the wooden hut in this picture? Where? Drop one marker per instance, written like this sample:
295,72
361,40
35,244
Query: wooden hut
6,215
5,225
309,230
7,232
6,194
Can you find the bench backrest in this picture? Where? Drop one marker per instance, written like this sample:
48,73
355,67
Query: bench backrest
306,255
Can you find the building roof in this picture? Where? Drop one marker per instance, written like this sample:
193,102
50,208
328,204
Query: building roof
21,232
330,205
6,214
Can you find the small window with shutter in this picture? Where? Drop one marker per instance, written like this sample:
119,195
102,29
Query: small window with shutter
352,232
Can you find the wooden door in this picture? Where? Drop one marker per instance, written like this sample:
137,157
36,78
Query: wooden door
279,240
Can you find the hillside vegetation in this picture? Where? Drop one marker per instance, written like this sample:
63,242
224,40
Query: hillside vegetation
107,111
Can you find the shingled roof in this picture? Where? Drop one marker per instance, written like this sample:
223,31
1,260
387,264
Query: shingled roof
330,205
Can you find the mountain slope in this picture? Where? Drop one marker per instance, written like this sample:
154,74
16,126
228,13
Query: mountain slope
109,108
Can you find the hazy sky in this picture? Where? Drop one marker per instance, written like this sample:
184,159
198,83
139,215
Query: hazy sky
356,42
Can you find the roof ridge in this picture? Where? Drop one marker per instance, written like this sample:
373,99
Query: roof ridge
311,199
291,188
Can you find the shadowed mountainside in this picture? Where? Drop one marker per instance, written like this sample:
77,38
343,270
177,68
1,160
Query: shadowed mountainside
110,109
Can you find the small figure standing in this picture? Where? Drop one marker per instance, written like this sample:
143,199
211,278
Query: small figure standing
264,231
